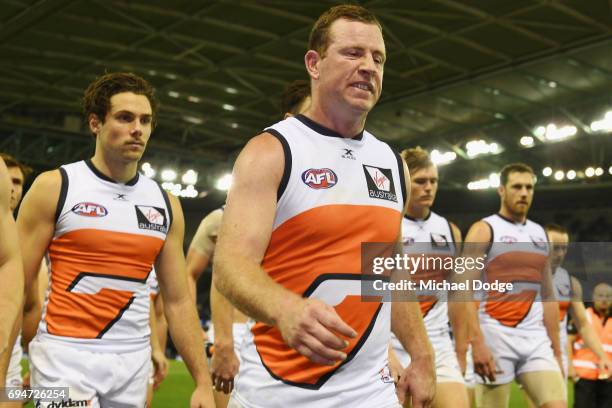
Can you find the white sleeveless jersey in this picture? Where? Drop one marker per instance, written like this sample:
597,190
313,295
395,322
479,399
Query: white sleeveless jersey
518,255
563,293
107,237
433,236
153,284
335,194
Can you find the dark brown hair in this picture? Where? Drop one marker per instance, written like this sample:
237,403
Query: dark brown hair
319,36
10,161
514,168
294,96
416,159
97,96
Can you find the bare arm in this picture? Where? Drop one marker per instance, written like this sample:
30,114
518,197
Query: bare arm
419,378
196,264
32,309
458,312
551,310
476,242
11,273
178,305
307,325
162,323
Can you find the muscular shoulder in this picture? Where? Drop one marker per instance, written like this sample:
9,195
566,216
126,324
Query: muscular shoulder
261,162
480,231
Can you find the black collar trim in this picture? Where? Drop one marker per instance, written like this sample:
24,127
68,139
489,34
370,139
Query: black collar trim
104,177
510,221
416,219
324,130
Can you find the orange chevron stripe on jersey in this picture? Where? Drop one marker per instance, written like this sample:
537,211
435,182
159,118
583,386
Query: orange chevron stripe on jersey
517,267
79,254
434,272
511,309
333,234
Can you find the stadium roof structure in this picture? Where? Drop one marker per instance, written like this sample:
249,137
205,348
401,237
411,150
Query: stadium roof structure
457,71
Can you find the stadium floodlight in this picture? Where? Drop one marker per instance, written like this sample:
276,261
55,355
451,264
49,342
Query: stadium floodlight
527,141
224,182
229,107
168,175
478,147
571,174
589,172
173,94
440,159
610,170
604,124
190,177
599,172
559,175
494,180
547,171
148,170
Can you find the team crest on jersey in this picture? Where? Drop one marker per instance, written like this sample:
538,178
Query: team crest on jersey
539,242
87,209
380,183
319,178
151,218
508,239
438,240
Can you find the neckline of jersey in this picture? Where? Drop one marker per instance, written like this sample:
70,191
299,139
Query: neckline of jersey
104,177
325,131
416,219
511,221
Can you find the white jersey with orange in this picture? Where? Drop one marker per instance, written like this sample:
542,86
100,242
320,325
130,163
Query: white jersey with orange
563,292
335,194
432,236
518,254
107,238
153,284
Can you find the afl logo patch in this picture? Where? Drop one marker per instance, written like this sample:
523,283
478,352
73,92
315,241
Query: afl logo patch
319,178
89,210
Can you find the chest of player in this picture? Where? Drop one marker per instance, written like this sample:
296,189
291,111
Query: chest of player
329,170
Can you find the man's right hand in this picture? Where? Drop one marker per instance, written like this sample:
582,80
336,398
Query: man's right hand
313,328
484,363
224,366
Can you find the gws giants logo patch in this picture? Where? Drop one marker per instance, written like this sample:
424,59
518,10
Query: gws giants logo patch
319,178
380,183
152,218
87,209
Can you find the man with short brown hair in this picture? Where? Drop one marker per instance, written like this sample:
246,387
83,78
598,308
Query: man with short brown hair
104,227
306,194
517,333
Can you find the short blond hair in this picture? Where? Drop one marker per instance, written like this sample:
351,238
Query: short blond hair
416,158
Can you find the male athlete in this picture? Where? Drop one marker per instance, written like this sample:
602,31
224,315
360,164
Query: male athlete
424,230
518,333
229,325
17,175
104,228
11,273
568,292
306,193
